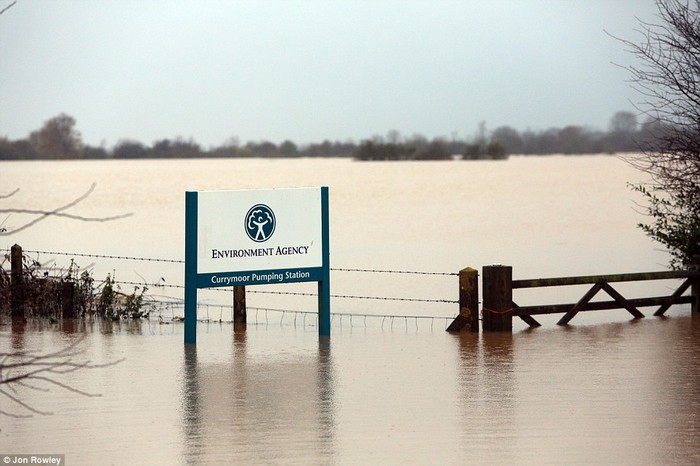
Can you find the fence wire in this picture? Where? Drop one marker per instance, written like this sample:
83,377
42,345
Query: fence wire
207,313
349,316
179,261
298,293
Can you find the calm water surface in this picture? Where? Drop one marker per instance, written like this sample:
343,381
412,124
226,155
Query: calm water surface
613,393
387,389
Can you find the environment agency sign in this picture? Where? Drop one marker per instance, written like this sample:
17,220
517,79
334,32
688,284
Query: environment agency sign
253,237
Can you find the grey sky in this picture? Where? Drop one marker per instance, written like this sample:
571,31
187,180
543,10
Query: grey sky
312,70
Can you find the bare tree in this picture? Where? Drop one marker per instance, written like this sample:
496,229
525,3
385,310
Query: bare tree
40,372
37,371
669,82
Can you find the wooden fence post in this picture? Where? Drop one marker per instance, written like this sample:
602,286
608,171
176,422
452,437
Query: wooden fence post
17,282
68,300
239,308
468,317
498,298
695,291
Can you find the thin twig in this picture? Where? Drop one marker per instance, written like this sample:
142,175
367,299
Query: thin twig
58,212
5,196
8,7
44,368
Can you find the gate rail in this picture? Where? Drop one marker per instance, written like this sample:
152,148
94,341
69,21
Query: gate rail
498,307
602,282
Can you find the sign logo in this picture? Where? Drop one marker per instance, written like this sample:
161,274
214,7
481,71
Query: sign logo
260,223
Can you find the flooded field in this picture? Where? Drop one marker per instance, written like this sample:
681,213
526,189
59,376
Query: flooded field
390,386
613,393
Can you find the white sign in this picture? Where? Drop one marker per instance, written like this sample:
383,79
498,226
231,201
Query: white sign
267,229
240,238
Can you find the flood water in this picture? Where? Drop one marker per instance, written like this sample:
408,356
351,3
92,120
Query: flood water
390,386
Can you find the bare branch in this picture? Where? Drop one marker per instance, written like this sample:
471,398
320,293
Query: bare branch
62,214
16,416
58,212
23,404
31,370
8,7
5,196
669,82
29,386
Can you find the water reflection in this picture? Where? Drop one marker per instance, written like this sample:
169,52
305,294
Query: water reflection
190,405
243,410
325,383
134,327
487,383
17,329
572,395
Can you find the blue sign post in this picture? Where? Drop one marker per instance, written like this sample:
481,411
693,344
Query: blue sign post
239,238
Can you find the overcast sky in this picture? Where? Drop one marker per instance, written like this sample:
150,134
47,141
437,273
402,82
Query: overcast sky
312,70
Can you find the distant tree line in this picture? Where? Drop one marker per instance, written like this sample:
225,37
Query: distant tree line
59,139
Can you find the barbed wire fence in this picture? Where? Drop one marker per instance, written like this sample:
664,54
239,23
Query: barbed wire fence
168,308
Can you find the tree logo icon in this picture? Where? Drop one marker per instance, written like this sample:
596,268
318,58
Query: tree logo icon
260,223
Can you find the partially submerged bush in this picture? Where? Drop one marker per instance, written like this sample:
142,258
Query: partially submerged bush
44,292
115,305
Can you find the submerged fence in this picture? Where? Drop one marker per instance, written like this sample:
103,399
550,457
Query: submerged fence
499,308
172,308
496,312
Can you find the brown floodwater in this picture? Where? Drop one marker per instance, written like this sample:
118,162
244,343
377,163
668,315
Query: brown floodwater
391,386
612,393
